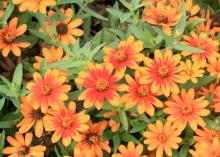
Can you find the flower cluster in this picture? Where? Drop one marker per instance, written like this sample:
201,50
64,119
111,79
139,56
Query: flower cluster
147,87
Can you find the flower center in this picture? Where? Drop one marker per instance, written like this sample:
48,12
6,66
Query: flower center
162,19
92,139
8,37
142,91
102,84
61,28
163,71
23,150
186,109
37,114
121,55
46,90
66,122
162,138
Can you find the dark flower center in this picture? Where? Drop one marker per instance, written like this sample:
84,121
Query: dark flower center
61,28
162,19
8,37
37,114
23,150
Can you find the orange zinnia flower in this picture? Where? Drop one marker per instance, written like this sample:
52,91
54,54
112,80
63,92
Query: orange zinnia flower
126,55
52,55
213,67
203,42
162,14
162,138
206,150
163,72
66,30
31,117
130,151
8,37
92,144
21,146
100,84
34,5
185,109
114,125
67,124
48,91
190,8
206,135
141,95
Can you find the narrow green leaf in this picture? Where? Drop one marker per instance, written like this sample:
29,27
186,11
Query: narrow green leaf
194,23
65,64
184,151
116,142
2,102
94,14
40,17
128,137
7,12
94,51
8,124
123,119
2,142
187,48
18,74
40,35
59,2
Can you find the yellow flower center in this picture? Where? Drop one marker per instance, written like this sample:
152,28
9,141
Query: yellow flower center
186,109
37,114
162,138
163,71
162,19
46,90
102,84
66,122
142,91
121,55
61,29
9,37
23,150
93,139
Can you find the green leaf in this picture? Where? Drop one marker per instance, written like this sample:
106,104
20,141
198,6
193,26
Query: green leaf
94,51
2,102
2,142
57,152
138,128
195,23
123,119
128,137
40,17
59,2
8,123
7,12
184,151
117,13
40,35
175,153
116,142
94,14
6,81
65,64
126,4
187,48
18,74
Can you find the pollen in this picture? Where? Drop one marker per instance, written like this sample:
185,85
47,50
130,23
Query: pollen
102,84
46,90
186,109
66,122
142,91
9,37
121,55
163,71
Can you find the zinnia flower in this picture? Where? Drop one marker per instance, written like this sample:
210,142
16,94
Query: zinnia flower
185,109
66,30
206,150
114,125
162,138
8,36
91,144
213,67
34,5
141,95
203,42
66,124
162,14
190,8
31,117
130,151
20,146
163,72
126,55
100,84
48,90
52,55
191,71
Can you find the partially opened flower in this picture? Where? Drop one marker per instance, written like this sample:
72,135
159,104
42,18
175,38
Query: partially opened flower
52,55
8,38
20,146
191,71
141,95
186,109
66,30
34,5
130,151
92,144
49,90
100,84
126,55
213,67
162,137
162,14
32,117
203,42
191,9
162,72
66,124
206,149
